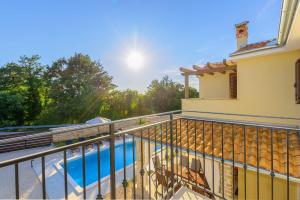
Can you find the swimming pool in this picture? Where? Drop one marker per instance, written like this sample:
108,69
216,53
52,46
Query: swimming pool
91,163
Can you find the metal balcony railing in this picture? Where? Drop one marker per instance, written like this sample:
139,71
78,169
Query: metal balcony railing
178,152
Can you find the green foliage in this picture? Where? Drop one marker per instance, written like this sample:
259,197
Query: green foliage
165,95
12,77
142,122
33,72
122,104
22,81
12,111
192,92
75,89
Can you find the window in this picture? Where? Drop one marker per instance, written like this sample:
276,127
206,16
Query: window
297,81
233,85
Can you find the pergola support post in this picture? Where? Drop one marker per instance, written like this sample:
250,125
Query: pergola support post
186,86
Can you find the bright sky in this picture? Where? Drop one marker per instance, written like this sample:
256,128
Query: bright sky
162,35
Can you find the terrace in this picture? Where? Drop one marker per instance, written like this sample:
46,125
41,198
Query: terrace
172,158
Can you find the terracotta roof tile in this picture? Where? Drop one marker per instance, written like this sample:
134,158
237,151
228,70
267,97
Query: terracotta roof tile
257,45
264,140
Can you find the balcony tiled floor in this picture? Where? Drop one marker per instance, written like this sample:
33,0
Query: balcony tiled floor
187,194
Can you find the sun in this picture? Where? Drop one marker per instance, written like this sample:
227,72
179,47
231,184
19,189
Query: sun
135,59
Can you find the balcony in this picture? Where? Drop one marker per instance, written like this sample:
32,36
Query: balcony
256,110
175,157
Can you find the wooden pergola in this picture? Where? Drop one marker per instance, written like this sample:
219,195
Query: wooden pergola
210,68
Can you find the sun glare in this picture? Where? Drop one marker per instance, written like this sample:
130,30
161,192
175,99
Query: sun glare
135,60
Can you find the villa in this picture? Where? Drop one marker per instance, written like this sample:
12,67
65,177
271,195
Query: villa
239,140
258,85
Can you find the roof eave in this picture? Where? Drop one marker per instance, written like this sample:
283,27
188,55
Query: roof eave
288,10
250,53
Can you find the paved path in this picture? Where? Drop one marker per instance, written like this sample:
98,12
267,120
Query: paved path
30,178
30,187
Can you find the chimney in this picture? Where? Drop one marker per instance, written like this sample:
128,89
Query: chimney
241,33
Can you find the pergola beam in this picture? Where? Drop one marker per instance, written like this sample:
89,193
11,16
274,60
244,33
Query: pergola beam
198,68
210,68
188,71
229,63
209,65
215,70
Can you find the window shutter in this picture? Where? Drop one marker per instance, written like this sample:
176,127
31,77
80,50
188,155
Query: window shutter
233,85
297,81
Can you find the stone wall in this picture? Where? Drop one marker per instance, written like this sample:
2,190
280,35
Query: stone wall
87,132
228,185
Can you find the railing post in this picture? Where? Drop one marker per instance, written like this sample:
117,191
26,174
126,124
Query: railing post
99,196
172,149
43,178
142,171
65,174
17,181
83,171
124,183
112,162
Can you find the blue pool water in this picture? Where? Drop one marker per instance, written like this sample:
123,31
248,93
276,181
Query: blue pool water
91,169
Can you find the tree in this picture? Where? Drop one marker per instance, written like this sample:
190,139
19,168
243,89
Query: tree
77,88
23,81
73,90
33,73
11,77
165,95
12,110
123,104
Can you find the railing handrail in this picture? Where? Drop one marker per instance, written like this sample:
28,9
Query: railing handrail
77,144
69,129
239,122
51,151
243,115
82,124
144,116
38,126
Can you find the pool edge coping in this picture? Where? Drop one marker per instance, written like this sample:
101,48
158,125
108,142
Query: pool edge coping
78,189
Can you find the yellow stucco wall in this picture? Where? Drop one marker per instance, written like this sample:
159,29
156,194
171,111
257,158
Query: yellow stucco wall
214,86
280,188
265,86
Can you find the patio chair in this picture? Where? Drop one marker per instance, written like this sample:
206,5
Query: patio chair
196,170
167,183
157,164
202,192
81,139
98,134
89,147
184,162
196,166
197,176
161,181
73,150
92,145
68,142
